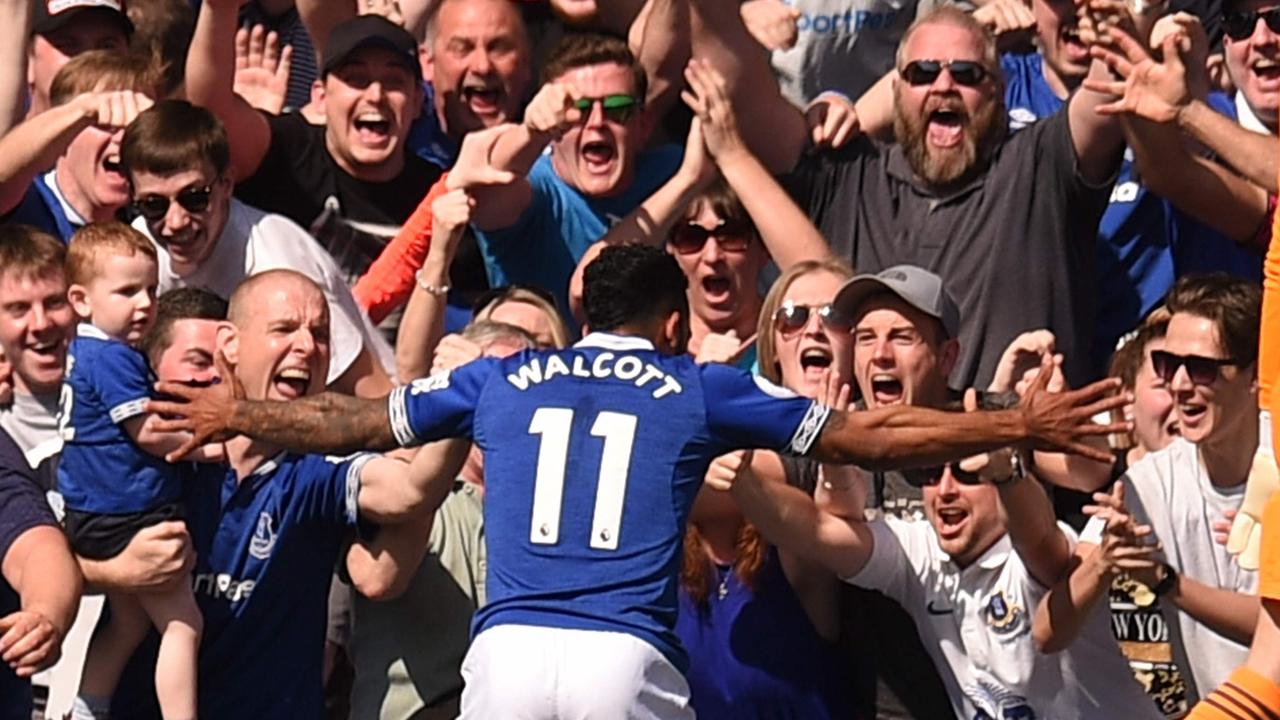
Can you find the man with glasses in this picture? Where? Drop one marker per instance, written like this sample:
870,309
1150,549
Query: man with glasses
591,112
176,156
1008,223
1209,363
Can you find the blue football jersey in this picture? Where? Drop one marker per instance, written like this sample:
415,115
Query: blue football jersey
593,456
266,547
101,469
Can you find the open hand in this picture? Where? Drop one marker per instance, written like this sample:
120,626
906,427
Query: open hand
205,412
262,69
708,98
1151,90
453,351
1063,421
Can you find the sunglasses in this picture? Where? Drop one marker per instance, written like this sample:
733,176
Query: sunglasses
1240,25
155,207
1201,370
617,108
928,476
964,72
791,318
730,235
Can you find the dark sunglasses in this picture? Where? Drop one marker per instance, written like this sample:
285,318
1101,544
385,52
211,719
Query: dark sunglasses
1240,25
618,108
1201,370
927,476
964,72
731,235
155,207
792,318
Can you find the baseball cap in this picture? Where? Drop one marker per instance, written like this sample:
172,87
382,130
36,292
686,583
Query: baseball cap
51,15
916,286
366,31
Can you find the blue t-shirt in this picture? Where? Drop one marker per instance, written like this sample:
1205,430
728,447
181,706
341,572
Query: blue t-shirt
754,653
620,436
41,209
1144,242
22,508
102,470
426,138
545,244
265,552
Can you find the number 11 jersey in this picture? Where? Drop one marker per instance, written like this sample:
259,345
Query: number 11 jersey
593,456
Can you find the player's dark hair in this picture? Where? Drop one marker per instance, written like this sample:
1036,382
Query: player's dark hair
631,284
179,304
1234,305
580,49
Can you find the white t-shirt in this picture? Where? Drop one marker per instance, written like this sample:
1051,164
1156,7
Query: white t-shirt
1171,491
254,241
976,622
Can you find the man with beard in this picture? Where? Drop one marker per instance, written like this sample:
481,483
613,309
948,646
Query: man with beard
1003,221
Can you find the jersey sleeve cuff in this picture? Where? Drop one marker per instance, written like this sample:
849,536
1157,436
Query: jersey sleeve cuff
398,411
351,500
815,418
127,410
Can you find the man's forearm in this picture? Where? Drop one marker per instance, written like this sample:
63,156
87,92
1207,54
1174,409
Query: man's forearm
907,436
517,149
324,423
1252,154
47,580
787,232
34,145
660,39
1228,613
211,58
1063,610
1098,139
650,223
1033,530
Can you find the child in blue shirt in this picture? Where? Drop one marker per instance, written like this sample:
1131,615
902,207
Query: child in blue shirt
112,475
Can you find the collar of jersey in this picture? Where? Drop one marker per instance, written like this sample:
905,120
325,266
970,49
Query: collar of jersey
85,329
269,466
610,341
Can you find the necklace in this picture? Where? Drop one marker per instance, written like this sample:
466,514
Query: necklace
725,573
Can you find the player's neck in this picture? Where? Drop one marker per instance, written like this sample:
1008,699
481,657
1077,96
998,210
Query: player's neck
245,455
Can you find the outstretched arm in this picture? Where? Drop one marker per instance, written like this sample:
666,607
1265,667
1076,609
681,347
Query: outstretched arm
211,83
905,436
324,423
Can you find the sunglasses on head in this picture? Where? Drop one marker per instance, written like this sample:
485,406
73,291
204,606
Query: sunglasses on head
1201,370
927,476
731,235
1240,25
964,72
618,108
792,317
155,207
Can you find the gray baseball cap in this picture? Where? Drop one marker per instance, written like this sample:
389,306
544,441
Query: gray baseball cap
917,287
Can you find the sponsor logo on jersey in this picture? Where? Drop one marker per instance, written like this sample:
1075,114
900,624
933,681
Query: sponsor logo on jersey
439,381
222,585
264,537
604,366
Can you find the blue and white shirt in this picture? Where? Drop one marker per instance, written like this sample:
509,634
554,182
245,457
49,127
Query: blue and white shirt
102,470
593,456
1144,242
266,547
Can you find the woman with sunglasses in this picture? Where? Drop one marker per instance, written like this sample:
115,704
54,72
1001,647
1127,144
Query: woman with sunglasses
760,624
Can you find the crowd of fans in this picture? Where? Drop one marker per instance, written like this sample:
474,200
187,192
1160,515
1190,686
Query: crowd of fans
874,204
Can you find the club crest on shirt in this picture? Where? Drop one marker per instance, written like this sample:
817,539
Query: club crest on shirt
264,537
1004,617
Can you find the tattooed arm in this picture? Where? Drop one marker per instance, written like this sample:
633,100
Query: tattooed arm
325,423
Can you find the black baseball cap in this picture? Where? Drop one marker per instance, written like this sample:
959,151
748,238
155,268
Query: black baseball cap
370,31
52,15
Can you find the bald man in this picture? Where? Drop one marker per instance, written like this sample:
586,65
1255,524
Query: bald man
267,528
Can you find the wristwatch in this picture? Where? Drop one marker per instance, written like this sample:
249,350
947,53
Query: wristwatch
1168,580
1017,470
